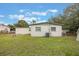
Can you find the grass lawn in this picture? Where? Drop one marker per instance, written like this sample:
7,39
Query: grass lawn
25,45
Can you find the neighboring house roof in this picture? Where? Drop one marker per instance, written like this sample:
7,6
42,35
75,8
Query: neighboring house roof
4,25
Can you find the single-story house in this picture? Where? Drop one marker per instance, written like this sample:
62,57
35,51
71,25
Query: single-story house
40,29
4,28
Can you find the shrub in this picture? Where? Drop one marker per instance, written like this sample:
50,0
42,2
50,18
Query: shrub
3,32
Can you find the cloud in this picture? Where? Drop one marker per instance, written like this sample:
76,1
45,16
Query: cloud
13,16
53,10
41,21
27,19
40,13
20,16
16,16
30,19
1,16
21,10
28,14
45,13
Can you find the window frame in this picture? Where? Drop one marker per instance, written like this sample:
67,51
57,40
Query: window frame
38,29
53,29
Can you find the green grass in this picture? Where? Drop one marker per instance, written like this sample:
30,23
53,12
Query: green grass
25,45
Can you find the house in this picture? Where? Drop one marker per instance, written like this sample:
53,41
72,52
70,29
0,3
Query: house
22,31
4,28
40,29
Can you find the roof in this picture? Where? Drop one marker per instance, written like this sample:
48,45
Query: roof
4,25
40,23
43,23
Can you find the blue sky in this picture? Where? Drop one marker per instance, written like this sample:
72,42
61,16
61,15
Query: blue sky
10,13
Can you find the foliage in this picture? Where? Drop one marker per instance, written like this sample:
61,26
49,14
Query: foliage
3,32
69,19
21,23
58,20
72,17
12,27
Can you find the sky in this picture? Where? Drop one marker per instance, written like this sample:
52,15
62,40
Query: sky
10,13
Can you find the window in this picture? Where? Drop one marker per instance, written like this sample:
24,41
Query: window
38,28
53,28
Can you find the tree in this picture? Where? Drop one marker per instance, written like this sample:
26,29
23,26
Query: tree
72,17
69,19
71,9
21,23
12,27
58,20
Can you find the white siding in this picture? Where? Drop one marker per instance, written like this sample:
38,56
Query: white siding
45,28
3,28
8,29
22,31
58,31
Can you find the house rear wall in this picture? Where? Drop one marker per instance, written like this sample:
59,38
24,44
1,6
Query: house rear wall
45,29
